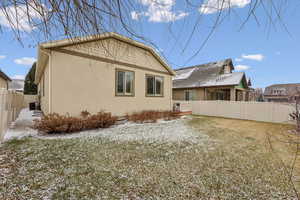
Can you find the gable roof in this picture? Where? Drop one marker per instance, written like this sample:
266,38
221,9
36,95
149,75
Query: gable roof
207,75
4,76
286,89
43,55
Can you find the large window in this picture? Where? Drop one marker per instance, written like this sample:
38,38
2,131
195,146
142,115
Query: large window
154,85
124,83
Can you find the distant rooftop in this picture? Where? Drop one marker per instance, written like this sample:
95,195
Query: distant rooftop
16,84
285,89
206,75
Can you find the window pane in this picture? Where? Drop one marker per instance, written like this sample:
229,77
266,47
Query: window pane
150,85
120,82
129,82
158,85
187,95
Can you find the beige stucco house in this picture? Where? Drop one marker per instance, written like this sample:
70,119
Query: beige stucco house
4,80
106,72
211,81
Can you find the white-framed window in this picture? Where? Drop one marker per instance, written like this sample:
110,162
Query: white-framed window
154,86
124,82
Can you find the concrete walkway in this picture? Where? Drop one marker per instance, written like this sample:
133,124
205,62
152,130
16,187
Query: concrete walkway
21,127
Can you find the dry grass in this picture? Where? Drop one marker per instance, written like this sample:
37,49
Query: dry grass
276,139
234,166
151,116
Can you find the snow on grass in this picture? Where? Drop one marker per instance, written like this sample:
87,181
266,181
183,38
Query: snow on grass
162,132
21,127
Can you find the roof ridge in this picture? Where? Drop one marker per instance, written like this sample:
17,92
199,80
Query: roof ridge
202,65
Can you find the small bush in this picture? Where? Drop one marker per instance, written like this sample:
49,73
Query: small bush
151,116
84,114
55,123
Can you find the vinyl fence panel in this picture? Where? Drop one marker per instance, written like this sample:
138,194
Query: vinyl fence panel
257,111
11,104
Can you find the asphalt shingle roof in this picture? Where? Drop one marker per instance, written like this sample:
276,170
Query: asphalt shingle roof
206,75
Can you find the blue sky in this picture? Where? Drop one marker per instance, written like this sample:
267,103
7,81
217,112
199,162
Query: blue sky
267,55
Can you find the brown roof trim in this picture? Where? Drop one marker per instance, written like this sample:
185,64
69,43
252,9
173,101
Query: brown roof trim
4,76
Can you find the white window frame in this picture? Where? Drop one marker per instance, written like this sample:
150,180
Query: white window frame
124,93
154,86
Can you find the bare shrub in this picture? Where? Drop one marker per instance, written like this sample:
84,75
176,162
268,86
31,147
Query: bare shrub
151,116
55,123
84,113
296,114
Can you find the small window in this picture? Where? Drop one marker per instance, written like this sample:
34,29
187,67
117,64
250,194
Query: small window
124,83
154,85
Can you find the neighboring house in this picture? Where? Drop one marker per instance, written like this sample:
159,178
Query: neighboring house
211,81
281,92
106,72
17,85
4,80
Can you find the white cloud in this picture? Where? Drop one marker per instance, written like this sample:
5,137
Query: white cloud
18,77
238,59
213,6
241,67
18,16
257,57
135,15
159,11
2,56
25,61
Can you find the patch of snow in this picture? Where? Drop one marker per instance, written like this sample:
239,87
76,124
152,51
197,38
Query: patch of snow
225,79
21,126
183,74
163,132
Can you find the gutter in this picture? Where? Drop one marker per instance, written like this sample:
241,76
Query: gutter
48,53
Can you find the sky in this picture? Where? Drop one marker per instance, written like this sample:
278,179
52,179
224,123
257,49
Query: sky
267,52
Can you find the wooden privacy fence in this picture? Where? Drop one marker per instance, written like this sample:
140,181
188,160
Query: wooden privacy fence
257,111
11,104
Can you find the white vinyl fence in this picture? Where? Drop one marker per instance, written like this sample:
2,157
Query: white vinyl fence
11,104
257,111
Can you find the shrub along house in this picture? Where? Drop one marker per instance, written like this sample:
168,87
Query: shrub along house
211,81
106,72
4,80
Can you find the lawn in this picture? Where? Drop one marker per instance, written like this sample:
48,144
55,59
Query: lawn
199,158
